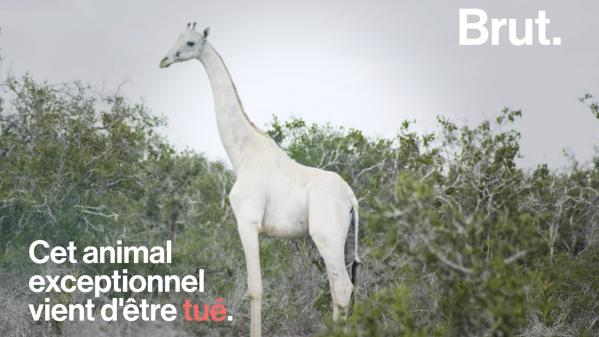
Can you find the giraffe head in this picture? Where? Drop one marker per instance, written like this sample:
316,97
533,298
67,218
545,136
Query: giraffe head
189,45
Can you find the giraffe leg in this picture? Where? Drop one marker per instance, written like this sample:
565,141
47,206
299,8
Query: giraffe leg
328,229
339,280
249,220
251,249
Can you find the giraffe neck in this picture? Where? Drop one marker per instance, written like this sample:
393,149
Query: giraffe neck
237,133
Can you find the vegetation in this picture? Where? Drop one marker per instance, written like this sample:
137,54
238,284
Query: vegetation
456,238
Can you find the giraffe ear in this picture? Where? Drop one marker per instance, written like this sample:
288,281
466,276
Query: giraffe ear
206,32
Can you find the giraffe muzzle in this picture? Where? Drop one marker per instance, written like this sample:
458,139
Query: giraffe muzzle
165,62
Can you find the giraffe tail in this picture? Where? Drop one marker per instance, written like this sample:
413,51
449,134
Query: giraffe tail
356,265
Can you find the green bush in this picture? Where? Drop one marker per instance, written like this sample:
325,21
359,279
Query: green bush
456,238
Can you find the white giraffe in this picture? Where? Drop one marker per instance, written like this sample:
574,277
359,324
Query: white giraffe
273,194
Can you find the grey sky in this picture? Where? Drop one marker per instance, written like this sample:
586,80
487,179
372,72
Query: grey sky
363,64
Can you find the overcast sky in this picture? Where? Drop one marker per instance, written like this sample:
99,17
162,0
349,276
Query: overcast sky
363,64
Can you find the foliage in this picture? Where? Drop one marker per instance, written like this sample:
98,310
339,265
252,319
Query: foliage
456,238
451,216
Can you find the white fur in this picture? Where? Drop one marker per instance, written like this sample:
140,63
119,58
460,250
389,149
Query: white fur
273,194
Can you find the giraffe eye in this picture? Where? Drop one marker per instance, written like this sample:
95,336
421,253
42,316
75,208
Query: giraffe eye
191,43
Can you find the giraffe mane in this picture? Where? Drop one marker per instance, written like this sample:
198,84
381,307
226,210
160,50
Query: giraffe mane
247,118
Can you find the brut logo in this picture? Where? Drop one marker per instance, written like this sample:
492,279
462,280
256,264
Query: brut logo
473,21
